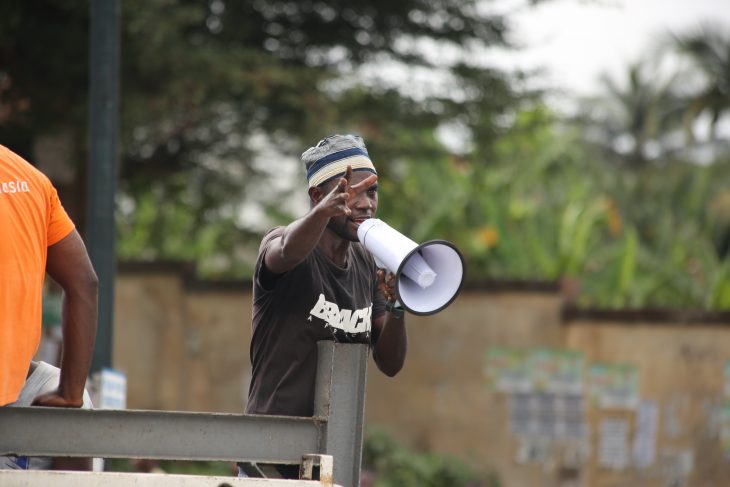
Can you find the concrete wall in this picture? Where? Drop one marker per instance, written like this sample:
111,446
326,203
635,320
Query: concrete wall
681,368
184,346
440,400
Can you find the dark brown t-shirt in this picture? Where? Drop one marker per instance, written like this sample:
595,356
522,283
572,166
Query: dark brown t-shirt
315,301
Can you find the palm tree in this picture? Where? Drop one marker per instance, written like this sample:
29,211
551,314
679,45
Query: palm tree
709,50
634,122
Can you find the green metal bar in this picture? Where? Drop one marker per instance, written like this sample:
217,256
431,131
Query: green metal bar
102,165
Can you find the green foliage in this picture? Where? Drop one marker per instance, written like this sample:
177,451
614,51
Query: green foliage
709,50
630,116
201,80
394,465
209,87
719,296
548,207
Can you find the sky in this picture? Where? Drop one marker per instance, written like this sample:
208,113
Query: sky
578,40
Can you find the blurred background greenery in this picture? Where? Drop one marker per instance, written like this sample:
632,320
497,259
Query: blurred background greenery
620,196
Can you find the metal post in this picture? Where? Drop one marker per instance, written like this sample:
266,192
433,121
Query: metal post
102,167
340,397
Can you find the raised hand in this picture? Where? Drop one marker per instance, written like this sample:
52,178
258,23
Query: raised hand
335,202
360,187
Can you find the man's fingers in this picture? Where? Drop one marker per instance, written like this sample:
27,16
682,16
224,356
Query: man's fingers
364,184
391,279
387,285
348,174
339,201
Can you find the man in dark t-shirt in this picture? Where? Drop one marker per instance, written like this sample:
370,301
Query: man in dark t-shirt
317,300
314,281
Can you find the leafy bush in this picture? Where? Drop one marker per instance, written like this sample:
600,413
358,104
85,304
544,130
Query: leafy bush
394,465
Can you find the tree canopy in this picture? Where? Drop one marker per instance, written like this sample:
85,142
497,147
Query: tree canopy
219,99
202,80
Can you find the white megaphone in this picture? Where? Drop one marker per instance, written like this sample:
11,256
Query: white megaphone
428,276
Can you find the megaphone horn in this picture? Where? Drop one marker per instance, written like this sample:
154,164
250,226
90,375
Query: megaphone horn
429,276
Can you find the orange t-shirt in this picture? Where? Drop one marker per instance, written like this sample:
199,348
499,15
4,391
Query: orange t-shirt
31,219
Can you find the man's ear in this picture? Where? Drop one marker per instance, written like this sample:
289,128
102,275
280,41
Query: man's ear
315,195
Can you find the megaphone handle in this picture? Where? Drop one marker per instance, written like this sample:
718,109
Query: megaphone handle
395,308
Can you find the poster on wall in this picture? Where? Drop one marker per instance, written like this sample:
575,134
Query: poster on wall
725,414
613,443
676,465
547,416
507,370
557,371
614,385
536,370
725,428
647,420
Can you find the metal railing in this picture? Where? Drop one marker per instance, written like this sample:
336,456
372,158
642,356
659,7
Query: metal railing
335,430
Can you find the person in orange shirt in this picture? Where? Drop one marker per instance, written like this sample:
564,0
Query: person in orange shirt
38,237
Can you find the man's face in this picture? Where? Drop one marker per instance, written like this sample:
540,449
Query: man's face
362,206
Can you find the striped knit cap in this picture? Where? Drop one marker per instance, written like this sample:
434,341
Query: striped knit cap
331,156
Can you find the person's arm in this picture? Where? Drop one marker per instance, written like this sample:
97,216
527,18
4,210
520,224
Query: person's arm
301,236
69,265
391,340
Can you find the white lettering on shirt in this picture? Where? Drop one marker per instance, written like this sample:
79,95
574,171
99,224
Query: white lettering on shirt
17,186
357,321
